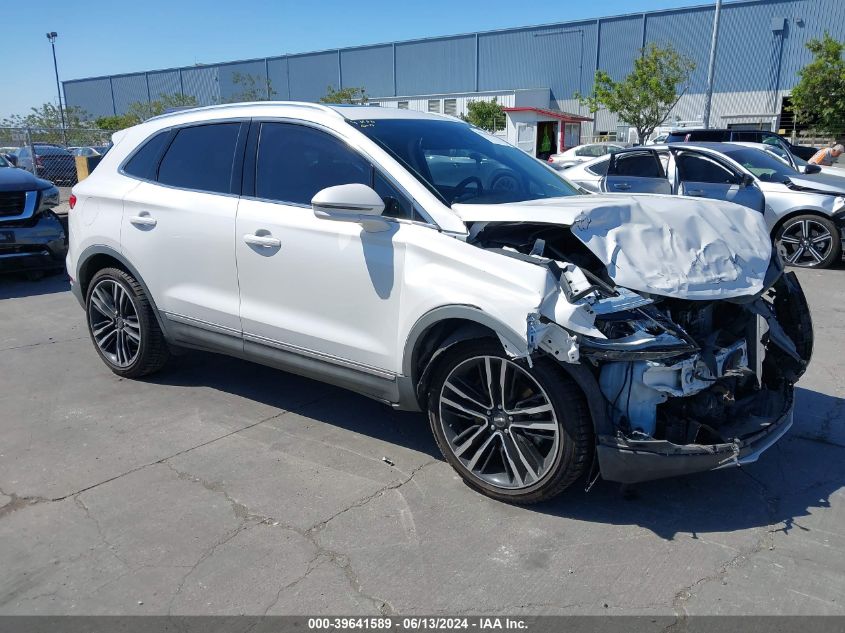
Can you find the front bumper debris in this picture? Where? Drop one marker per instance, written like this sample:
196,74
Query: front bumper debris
629,461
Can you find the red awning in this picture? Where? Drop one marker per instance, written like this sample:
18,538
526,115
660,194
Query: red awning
552,114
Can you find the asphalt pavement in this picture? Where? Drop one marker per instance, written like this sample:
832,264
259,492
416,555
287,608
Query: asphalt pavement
223,487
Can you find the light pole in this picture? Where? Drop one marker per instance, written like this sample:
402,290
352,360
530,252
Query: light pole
52,35
711,66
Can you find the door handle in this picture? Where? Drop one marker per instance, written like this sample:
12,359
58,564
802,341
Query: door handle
262,240
143,220
622,186
695,192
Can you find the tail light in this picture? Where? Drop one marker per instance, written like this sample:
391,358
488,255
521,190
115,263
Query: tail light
550,159
72,201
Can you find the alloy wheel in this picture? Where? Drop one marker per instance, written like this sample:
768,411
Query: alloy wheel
113,317
499,422
807,242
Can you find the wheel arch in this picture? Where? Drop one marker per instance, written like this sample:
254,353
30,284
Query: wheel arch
441,328
95,258
795,213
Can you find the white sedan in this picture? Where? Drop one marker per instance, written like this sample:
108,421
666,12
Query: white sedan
584,153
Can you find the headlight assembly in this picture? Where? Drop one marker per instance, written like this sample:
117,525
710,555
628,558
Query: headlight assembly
48,199
639,334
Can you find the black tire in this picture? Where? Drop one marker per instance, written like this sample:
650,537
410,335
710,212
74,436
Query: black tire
151,353
815,225
566,463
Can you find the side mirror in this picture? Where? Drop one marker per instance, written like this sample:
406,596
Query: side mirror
351,203
747,180
811,169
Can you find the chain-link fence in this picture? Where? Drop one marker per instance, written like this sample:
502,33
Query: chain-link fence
50,153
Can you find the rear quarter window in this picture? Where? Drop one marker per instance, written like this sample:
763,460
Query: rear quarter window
144,162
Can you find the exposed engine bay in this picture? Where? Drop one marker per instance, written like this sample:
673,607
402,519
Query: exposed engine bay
702,378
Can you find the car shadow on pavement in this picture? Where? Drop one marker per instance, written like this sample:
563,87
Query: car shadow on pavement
792,478
13,286
331,405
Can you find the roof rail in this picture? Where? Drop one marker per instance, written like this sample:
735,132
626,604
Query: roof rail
226,106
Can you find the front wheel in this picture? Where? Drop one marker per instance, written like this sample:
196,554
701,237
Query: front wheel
516,433
810,241
122,325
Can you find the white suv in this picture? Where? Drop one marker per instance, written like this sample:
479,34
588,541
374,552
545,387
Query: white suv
417,260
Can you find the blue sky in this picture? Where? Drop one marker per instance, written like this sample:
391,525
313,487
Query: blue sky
100,38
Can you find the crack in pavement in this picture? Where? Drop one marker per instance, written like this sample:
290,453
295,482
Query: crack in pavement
17,502
766,541
338,559
53,342
20,502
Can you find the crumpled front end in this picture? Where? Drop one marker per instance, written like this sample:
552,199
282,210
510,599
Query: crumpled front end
685,382
720,403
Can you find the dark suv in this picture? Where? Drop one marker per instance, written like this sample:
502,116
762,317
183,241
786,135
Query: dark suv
739,136
32,238
50,161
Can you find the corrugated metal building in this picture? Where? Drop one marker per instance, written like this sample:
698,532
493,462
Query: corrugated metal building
761,47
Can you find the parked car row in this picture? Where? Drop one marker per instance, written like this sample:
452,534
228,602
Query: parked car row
804,212
425,263
53,162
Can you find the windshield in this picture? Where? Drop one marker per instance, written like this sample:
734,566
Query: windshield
51,150
462,164
766,167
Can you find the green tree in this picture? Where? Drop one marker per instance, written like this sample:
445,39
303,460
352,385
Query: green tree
345,95
487,115
143,110
115,123
645,97
819,98
253,88
48,116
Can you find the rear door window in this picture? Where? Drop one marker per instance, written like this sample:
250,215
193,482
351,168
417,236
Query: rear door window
644,164
201,157
709,136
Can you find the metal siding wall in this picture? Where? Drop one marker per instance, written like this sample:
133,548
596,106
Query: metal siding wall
311,75
621,40
92,96
370,67
689,32
436,66
202,84
164,83
539,58
230,91
127,90
277,73
817,16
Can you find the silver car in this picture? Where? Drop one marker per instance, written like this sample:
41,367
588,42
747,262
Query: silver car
804,212
583,153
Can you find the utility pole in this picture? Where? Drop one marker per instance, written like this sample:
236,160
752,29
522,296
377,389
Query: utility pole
52,35
711,66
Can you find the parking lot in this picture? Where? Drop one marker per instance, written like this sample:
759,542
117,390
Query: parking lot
221,487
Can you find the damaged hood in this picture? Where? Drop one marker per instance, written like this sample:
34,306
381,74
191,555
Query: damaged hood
820,183
665,245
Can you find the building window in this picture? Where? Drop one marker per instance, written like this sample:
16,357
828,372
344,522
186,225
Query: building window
450,107
403,105
434,105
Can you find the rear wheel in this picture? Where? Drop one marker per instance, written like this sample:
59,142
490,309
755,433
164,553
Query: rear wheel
810,241
516,433
122,325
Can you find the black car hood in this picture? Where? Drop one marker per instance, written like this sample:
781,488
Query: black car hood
14,179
